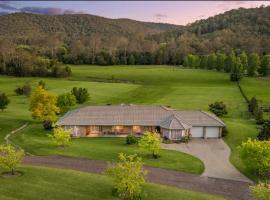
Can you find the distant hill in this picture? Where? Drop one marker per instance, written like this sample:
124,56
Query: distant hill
27,25
245,29
92,39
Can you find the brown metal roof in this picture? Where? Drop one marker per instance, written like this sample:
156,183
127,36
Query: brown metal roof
137,115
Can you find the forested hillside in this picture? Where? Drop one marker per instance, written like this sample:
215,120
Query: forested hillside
29,39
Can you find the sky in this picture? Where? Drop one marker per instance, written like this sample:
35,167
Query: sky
174,12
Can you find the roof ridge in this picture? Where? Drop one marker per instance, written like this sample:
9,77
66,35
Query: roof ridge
180,120
213,117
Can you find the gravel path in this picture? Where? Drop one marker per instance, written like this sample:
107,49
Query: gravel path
230,189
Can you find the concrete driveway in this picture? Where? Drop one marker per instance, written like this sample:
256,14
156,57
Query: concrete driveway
215,155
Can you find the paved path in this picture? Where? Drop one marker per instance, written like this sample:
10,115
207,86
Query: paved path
215,155
230,189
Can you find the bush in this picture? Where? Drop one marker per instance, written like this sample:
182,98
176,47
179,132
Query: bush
131,139
224,132
261,191
166,140
186,138
48,125
235,77
256,157
4,101
60,71
10,158
24,90
150,142
129,176
42,84
60,136
265,131
218,108
81,94
65,102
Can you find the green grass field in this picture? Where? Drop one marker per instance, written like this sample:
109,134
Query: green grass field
45,183
35,140
155,85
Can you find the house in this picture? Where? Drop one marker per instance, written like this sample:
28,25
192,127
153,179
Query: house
121,120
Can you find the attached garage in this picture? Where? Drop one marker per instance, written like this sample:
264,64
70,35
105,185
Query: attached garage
197,132
212,132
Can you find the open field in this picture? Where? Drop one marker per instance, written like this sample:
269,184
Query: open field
149,85
45,183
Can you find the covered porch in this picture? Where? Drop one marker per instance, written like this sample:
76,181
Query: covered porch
113,131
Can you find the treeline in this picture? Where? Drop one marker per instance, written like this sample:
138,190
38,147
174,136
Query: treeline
22,61
238,64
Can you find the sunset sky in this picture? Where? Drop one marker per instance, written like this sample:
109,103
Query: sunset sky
175,12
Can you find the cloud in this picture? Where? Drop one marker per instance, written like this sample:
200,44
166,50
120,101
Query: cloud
7,8
159,15
4,5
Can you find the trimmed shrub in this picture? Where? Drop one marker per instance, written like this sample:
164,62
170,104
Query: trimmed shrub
131,139
218,108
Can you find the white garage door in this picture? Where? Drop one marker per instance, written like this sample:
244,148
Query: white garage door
212,132
197,132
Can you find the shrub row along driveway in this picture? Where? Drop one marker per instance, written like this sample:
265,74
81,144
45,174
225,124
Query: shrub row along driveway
215,155
235,190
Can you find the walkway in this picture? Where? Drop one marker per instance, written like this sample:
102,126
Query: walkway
230,189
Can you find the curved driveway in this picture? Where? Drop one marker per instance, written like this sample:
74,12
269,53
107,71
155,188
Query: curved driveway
215,155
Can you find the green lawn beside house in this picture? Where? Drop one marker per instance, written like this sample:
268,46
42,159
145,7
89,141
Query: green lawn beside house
147,85
38,183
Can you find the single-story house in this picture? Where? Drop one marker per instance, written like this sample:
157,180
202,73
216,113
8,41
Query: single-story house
121,120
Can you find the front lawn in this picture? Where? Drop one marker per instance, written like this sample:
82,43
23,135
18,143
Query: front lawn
34,140
50,184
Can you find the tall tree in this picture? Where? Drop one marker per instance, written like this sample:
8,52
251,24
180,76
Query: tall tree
244,60
230,62
221,61
253,64
237,70
43,105
265,65
204,61
212,61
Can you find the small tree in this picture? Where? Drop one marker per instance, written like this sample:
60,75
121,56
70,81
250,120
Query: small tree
237,70
150,142
42,84
261,191
60,136
265,65
256,157
81,94
218,108
10,158
253,64
253,103
43,105
128,175
24,90
265,131
4,101
65,102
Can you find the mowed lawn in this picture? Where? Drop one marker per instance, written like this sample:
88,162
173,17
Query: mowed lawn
155,85
259,88
45,183
35,140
